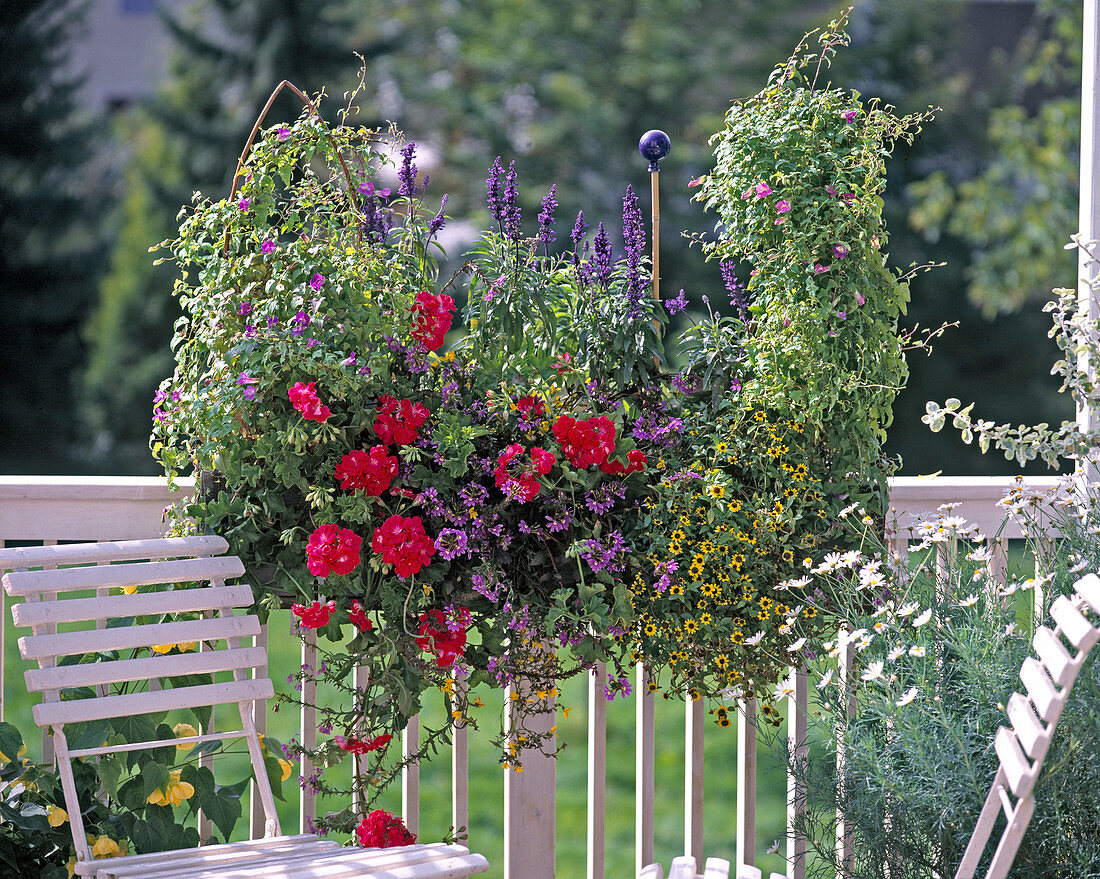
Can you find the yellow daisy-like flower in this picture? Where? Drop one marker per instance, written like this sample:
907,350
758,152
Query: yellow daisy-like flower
695,572
56,816
721,448
809,612
691,626
721,660
182,730
765,602
758,415
678,535
737,637
716,491
675,589
174,793
706,547
734,506
650,629
705,619
787,556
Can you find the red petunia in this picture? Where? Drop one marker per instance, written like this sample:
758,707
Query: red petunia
586,442
304,398
315,615
359,617
332,550
402,543
431,319
371,471
446,639
382,829
398,423
356,746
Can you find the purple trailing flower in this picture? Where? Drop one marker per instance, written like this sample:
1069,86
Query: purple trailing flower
546,216
317,281
683,385
602,498
599,267
510,210
245,308
677,305
268,246
634,238
452,543
407,172
576,237
349,360
439,219
272,322
605,556
738,298
493,195
298,324
249,331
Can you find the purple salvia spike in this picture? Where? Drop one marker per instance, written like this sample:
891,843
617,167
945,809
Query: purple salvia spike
492,194
546,216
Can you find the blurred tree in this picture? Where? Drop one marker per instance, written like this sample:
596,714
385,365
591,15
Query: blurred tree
228,56
50,244
1014,203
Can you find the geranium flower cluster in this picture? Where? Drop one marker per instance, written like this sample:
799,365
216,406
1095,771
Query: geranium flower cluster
332,550
314,616
431,319
362,746
372,472
304,398
398,423
382,829
586,442
402,542
525,486
443,636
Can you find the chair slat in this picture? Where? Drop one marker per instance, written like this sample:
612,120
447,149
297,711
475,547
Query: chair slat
91,674
1041,689
138,866
1072,622
106,607
130,637
1058,662
113,551
1015,764
104,707
652,871
745,871
136,574
1029,730
717,868
1088,588
682,868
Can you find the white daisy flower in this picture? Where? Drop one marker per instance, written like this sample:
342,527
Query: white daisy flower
848,509
824,682
785,689
916,650
895,654
864,642
922,619
754,640
874,671
908,609
908,697
797,645
796,583
969,601
981,554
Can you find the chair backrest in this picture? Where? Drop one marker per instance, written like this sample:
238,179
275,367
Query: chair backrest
1022,748
123,633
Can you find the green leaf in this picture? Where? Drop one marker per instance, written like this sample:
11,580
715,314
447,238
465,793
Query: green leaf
92,734
11,742
154,777
135,728
222,805
274,776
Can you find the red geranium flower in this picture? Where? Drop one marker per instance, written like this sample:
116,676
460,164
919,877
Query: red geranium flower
585,442
431,319
359,616
315,615
525,485
304,398
529,407
398,422
636,462
356,746
382,829
446,639
371,471
402,543
332,550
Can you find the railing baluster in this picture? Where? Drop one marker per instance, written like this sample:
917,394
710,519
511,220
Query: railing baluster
597,771
643,772
47,739
529,804
845,850
693,778
460,769
798,704
746,784
410,776
259,718
307,799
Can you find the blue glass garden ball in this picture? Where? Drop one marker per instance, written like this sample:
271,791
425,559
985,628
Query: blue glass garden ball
654,146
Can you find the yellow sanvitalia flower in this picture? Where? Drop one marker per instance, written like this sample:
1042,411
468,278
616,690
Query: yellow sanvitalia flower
174,793
183,730
56,815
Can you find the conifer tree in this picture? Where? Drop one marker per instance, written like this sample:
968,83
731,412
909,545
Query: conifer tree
49,239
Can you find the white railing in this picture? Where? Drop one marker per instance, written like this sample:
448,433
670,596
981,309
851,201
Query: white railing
52,509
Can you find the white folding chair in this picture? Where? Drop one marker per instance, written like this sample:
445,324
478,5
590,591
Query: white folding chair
222,634
1023,747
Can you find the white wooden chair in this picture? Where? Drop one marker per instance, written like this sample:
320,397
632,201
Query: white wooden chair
222,635
1023,746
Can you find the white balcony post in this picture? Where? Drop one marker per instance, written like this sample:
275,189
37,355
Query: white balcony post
1089,199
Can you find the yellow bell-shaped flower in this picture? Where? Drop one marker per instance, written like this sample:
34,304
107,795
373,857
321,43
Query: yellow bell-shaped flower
174,793
105,847
56,815
286,766
183,730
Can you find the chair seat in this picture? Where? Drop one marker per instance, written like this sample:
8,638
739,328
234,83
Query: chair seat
294,857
